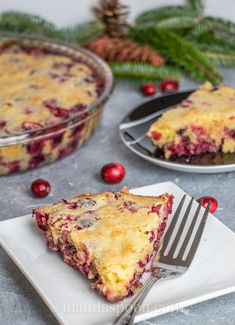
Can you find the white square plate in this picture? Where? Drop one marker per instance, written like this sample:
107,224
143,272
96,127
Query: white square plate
67,292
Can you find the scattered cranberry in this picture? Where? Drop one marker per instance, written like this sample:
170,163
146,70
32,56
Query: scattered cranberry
168,86
113,173
148,89
209,199
40,188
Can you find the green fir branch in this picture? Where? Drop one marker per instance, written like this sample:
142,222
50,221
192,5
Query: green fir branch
81,33
221,59
179,51
24,23
178,22
214,24
30,24
143,71
151,17
197,5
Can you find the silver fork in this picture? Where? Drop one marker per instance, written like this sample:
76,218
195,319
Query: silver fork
167,263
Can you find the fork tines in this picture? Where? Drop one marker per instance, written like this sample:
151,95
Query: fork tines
171,254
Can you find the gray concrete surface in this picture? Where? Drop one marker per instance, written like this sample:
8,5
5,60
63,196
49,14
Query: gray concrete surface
19,302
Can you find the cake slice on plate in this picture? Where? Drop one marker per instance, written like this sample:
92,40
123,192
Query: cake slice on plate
204,122
109,237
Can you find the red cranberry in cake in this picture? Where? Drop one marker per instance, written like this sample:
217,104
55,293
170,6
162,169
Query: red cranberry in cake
110,237
2,124
200,124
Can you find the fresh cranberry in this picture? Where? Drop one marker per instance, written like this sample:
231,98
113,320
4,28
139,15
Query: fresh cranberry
148,89
168,86
156,135
31,125
113,173
40,187
209,199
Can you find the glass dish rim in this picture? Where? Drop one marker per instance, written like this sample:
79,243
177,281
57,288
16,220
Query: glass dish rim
108,87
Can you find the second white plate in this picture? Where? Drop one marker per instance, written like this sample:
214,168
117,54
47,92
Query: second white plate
67,293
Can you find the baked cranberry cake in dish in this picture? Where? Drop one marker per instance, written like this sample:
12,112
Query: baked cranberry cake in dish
202,123
51,100
40,89
110,237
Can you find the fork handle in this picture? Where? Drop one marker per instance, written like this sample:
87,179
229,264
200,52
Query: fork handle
128,315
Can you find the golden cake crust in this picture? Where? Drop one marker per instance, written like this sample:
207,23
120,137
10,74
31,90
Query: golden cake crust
35,84
207,116
117,233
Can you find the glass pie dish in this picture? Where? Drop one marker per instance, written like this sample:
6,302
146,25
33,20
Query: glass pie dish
38,144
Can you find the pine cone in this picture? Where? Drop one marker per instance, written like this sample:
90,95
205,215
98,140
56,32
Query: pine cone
114,15
122,50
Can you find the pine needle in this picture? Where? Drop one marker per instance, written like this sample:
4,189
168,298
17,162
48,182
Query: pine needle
151,17
197,5
178,22
214,24
25,23
180,51
143,71
30,24
82,32
221,59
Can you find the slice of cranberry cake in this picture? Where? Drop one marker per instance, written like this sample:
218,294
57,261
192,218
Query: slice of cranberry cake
110,237
204,122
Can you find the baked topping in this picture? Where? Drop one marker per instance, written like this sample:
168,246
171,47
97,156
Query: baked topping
199,124
109,237
39,89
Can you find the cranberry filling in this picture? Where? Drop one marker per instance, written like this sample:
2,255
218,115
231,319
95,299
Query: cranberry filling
31,125
156,208
156,135
41,218
36,161
59,112
131,206
35,147
82,203
188,148
186,103
230,132
2,124
55,109
14,166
